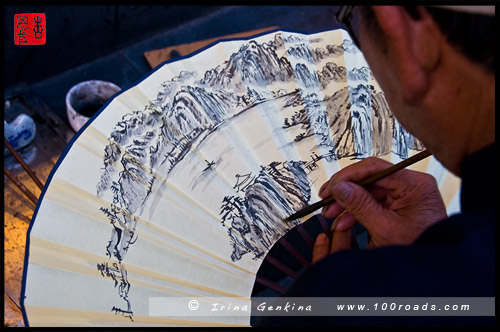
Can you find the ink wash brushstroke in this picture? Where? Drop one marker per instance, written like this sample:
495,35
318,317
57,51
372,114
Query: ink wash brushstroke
319,98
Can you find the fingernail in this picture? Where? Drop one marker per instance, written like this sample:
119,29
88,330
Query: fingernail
342,191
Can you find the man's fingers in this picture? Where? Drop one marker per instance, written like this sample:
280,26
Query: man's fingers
371,245
323,191
341,241
360,170
332,210
359,203
354,173
321,248
346,222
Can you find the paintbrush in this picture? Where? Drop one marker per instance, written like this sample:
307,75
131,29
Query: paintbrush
366,181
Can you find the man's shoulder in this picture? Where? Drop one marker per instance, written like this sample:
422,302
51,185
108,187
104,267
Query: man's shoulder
461,229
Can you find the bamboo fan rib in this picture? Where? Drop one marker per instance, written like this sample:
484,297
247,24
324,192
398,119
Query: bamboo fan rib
178,187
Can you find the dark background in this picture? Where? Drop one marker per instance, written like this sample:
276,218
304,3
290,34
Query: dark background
108,42
79,34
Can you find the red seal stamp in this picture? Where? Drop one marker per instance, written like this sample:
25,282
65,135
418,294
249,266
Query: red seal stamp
30,29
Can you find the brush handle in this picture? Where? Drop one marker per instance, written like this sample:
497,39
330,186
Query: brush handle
366,181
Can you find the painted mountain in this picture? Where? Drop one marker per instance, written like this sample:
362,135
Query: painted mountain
279,189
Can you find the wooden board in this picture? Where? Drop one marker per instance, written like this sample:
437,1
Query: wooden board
156,57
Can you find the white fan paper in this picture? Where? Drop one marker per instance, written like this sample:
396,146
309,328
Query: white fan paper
179,186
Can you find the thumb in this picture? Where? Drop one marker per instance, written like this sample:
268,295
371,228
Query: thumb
359,203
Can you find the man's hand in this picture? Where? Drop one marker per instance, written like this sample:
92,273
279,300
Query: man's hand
395,210
323,247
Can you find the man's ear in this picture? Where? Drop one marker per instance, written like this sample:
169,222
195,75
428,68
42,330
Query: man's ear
413,46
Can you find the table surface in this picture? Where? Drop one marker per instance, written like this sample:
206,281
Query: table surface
52,135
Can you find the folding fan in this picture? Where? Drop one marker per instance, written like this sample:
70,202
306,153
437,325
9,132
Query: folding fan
178,186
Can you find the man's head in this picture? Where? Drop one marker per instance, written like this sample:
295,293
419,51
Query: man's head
470,29
436,67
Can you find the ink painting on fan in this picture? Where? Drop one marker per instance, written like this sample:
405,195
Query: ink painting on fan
178,187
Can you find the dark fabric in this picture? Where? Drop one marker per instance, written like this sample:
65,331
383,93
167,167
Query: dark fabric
453,258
